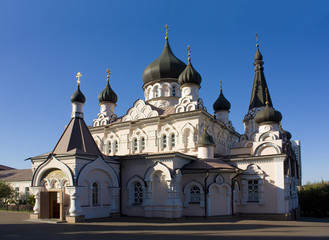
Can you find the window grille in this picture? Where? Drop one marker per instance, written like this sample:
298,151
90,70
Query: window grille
138,193
253,191
195,194
95,192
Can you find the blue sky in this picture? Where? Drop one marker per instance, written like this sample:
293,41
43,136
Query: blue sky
43,44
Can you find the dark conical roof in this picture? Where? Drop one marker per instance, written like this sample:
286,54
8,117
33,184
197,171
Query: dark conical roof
287,133
206,139
76,139
165,66
268,114
107,95
78,96
221,103
258,98
189,75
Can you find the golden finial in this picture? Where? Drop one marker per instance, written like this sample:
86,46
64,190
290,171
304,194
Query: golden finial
189,54
108,75
257,40
204,124
221,85
167,29
78,77
266,92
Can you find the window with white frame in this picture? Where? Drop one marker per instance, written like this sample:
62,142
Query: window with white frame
195,195
138,193
164,141
95,194
252,182
143,143
173,142
116,147
135,144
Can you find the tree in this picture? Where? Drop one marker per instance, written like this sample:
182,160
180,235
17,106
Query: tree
7,192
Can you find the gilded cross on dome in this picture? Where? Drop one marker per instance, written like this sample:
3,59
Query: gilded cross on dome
257,40
189,53
108,75
167,29
78,77
221,85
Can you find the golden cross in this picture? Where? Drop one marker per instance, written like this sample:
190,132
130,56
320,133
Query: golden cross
108,75
78,77
167,29
189,53
257,40
266,92
221,84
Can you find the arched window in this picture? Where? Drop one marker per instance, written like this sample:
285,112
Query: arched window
174,91
164,141
156,92
195,194
135,144
109,147
138,193
143,143
172,140
116,147
95,194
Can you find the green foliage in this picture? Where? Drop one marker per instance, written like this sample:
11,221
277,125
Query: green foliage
30,200
6,192
314,199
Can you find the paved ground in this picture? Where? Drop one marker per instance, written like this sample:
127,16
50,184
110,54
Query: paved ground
16,226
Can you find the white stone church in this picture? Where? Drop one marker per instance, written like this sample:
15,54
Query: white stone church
167,156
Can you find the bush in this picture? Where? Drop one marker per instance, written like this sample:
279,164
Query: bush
314,198
22,208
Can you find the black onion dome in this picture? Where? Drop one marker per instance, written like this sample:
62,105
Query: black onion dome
206,139
189,75
287,133
107,95
78,96
258,55
268,114
165,66
221,103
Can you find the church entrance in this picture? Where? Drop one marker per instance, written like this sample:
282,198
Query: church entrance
51,206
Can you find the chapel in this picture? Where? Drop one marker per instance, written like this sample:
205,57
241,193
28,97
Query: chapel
168,156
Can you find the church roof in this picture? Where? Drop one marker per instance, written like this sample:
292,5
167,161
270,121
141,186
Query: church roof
258,95
76,139
16,175
221,103
3,167
189,75
108,95
78,96
167,65
208,164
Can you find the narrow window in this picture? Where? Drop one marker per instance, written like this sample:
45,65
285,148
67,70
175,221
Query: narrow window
164,141
173,140
95,192
174,91
156,92
16,193
110,147
116,146
138,193
195,194
27,192
143,143
253,191
135,144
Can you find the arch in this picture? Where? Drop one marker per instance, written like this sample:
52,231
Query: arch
260,149
139,110
213,186
219,200
190,107
247,144
265,136
157,167
219,179
187,192
165,89
51,163
98,164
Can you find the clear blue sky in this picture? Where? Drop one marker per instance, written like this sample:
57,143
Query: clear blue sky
43,44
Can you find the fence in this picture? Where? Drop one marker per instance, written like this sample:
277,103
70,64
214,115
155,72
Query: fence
17,207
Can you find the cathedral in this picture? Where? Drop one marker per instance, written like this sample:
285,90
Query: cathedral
167,156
